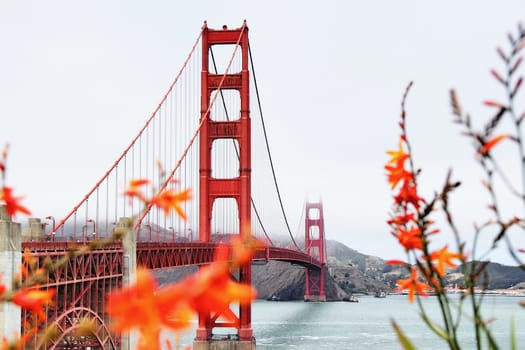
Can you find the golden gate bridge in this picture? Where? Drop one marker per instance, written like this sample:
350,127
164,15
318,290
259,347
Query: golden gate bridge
200,136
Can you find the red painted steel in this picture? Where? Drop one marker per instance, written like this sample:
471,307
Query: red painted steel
168,254
81,284
315,245
239,187
83,281
159,255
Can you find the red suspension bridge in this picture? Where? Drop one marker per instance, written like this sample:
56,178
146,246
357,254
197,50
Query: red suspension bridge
200,136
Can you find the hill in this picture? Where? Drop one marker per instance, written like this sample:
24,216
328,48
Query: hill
350,272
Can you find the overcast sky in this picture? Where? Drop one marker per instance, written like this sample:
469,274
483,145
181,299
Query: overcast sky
78,80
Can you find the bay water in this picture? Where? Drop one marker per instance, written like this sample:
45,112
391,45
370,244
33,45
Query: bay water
367,324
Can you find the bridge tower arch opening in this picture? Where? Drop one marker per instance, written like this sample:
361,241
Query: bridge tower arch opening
214,130
315,246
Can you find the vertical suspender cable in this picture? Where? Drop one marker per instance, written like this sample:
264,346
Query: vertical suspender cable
256,212
268,148
133,142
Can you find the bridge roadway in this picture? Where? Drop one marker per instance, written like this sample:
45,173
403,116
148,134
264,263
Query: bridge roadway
158,255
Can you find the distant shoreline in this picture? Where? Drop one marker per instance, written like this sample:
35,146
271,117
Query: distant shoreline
502,292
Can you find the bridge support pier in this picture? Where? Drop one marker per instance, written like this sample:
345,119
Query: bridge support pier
34,231
129,244
224,344
10,260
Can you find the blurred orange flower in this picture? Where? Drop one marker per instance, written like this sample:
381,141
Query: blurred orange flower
12,203
168,200
398,157
408,194
134,189
409,238
491,143
243,248
3,159
213,290
398,174
3,287
396,166
13,345
34,300
401,219
413,286
443,258
141,306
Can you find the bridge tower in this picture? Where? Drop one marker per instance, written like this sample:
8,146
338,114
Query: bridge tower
239,187
315,247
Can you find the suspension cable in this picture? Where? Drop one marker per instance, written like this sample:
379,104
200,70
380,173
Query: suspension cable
194,137
259,220
268,148
301,223
135,140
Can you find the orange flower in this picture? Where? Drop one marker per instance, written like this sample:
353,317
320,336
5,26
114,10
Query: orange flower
34,300
398,174
12,204
167,200
396,166
409,238
3,287
141,306
3,158
212,290
134,189
443,257
492,103
401,220
18,343
408,194
243,249
491,143
398,157
395,262
144,307
138,182
413,286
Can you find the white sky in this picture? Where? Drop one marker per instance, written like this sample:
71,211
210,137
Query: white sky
78,79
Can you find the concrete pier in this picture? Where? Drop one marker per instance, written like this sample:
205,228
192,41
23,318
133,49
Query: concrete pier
224,344
315,298
10,261
34,231
129,244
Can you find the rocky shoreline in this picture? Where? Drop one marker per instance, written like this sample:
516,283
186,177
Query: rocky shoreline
351,274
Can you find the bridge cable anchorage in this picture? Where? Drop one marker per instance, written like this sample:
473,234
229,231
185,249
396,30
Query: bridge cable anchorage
268,149
130,146
259,220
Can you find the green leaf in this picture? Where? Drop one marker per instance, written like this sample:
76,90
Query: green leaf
435,328
512,335
407,344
